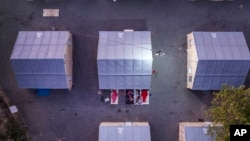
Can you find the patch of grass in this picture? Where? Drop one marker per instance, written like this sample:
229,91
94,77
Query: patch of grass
13,131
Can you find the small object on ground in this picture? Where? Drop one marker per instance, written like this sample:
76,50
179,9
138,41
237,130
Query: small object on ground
241,7
50,12
13,109
106,99
99,92
154,72
119,110
160,53
75,114
201,120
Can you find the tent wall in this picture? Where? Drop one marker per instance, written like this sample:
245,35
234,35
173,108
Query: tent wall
192,60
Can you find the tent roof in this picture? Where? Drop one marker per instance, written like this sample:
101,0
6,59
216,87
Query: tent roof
198,134
128,131
40,45
125,45
221,46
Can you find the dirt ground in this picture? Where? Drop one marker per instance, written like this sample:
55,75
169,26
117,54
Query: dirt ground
76,115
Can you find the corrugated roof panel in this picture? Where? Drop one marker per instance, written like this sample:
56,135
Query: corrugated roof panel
111,52
128,38
137,134
102,66
102,52
21,38
232,41
120,66
112,81
215,83
35,67
145,37
120,82
206,38
197,134
34,51
226,68
240,39
44,68
147,67
146,82
103,38
111,67
54,38
43,52
245,53
38,38
129,82
52,51
121,133
201,52
30,38
137,81
146,53
209,42
120,38
46,37
128,51
60,52
236,53
103,82
112,38
63,37
138,66
206,82
17,51
130,134
210,53
26,52
210,65
21,80
30,81
137,52
219,53
120,52
137,38
227,54
103,133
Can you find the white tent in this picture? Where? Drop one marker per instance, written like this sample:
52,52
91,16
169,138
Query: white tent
43,59
216,58
124,60
124,131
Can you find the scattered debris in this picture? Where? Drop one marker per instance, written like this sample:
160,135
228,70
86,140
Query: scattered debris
160,53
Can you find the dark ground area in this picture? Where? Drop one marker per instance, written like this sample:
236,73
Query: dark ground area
76,115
